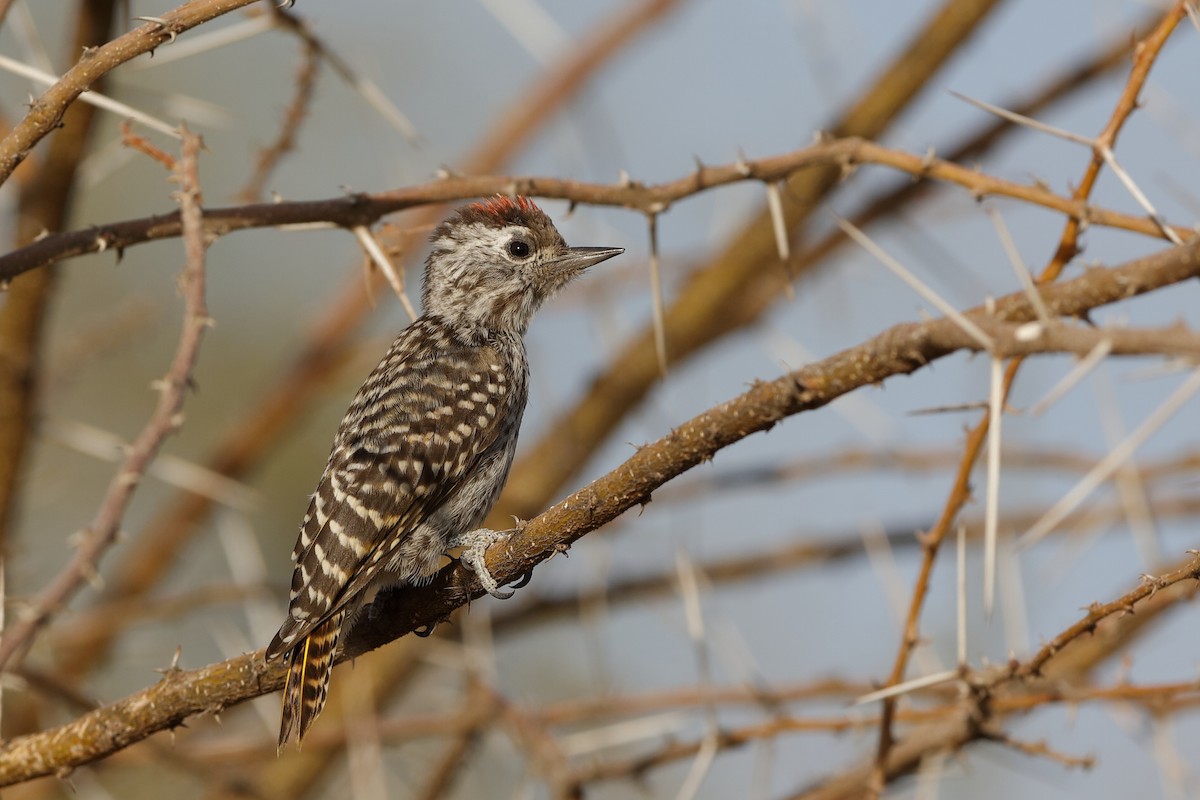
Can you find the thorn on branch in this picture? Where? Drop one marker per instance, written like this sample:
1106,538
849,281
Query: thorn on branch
742,165
173,669
164,26
656,296
94,578
928,161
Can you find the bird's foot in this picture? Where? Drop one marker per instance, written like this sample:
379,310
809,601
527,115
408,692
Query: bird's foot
474,546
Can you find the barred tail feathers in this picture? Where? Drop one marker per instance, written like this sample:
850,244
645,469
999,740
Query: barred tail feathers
304,692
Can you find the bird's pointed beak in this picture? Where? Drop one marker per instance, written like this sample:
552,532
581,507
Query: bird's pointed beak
579,258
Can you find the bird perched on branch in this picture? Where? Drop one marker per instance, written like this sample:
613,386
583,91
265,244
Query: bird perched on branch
425,448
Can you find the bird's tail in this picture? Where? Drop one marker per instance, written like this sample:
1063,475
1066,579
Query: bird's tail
310,662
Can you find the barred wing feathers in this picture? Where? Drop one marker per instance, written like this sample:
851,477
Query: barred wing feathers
418,427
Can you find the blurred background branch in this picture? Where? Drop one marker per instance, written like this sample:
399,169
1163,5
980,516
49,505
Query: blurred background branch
818,571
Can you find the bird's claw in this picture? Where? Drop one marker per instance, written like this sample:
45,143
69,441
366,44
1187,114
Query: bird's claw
474,546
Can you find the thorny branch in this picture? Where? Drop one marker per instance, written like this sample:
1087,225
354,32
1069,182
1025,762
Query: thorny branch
1145,55
366,209
102,531
900,350
47,111
1015,337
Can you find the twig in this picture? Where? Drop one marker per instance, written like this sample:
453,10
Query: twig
293,117
1041,750
47,110
146,147
166,419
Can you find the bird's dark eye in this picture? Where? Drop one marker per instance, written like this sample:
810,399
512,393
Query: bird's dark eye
518,248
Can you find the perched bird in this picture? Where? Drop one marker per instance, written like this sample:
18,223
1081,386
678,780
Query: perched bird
425,447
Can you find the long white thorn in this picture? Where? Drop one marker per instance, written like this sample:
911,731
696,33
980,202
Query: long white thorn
960,541
1028,122
93,98
992,507
925,682
932,297
1074,376
1139,195
1018,265
380,259
1109,464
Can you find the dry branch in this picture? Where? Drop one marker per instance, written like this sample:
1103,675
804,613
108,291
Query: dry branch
1145,54
46,112
900,350
45,190
366,209
293,117
165,420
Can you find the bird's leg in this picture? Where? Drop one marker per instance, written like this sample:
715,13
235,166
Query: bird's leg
474,546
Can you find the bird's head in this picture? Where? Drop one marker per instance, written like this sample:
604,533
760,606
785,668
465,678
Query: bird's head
495,262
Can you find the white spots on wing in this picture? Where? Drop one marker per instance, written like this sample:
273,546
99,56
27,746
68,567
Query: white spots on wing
317,597
408,467
364,511
339,494
348,541
335,573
